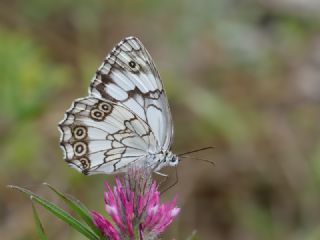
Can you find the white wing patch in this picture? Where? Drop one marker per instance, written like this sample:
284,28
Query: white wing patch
101,136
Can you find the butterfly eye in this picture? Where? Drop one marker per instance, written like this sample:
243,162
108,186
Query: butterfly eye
79,148
79,132
174,160
105,107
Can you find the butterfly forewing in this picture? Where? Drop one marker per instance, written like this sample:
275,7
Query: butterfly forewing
129,77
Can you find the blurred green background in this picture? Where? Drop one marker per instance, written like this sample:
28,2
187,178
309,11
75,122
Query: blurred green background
241,75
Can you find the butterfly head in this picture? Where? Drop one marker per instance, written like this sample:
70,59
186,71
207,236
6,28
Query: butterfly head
172,159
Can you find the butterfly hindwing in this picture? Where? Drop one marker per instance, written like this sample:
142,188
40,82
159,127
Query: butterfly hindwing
102,136
129,78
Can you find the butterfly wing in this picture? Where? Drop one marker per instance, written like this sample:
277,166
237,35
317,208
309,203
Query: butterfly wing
129,77
99,136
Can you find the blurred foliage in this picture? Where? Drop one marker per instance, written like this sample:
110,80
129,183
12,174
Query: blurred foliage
28,78
28,82
241,75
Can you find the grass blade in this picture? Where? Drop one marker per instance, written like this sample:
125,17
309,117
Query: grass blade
77,207
39,227
60,213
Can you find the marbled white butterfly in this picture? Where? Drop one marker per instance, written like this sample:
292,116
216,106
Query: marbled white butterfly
124,120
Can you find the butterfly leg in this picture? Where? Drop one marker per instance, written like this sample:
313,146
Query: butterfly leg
161,174
171,185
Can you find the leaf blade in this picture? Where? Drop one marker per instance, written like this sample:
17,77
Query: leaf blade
39,226
60,213
77,207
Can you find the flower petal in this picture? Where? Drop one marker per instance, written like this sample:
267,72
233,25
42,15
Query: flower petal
105,226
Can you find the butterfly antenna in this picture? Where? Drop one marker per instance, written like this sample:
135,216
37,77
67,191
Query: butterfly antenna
197,150
173,184
200,159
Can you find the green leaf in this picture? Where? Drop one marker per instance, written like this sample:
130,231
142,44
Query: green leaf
60,213
39,226
77,207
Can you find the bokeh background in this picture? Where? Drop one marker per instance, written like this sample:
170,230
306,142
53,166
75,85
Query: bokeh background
241,75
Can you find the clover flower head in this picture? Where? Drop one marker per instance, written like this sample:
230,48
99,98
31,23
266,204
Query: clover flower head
135,208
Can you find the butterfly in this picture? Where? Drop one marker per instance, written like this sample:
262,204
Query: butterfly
124,120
